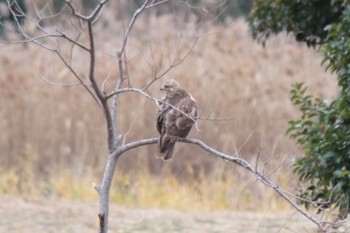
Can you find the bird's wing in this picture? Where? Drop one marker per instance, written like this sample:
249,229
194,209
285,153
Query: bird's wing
160,120
181,122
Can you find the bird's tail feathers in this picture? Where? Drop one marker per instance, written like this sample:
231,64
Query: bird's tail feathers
166,147
168,154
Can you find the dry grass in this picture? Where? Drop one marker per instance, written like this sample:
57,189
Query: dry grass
53,138
146,191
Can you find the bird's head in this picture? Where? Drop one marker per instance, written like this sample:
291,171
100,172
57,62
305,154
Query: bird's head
170,86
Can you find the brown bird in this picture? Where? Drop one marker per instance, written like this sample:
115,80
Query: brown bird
177,114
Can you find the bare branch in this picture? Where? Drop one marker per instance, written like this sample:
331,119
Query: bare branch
34,40
73,41
133,145
105,82
92,64
139,91
112,133
154,4
215,118
122,77
131,89
131,24
97,11
258,155
78,77
237,160
60,84
260,176
93,14
126,72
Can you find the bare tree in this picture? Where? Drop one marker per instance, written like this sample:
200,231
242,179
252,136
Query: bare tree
64,43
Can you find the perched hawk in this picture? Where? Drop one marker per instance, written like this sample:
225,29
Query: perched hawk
177,114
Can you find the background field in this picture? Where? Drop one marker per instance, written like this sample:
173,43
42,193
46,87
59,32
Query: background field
53,138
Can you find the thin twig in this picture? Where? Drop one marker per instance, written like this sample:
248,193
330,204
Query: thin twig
78,77
73,41
258,155
105,82
154,4
60,84
177,61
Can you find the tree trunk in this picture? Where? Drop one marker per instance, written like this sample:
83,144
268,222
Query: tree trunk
103,192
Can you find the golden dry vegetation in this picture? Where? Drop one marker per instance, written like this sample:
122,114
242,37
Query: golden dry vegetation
53,138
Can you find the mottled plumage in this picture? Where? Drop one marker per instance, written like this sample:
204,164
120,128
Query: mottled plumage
177,114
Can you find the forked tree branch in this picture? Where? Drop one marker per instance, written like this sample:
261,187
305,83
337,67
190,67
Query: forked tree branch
111,127
76,75
235,159
92,16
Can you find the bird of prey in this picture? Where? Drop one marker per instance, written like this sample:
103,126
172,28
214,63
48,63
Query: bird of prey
177,114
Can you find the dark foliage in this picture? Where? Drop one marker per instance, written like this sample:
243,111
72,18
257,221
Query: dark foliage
16,14
306,19
323,130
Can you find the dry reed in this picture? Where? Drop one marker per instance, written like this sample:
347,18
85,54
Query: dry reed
53,138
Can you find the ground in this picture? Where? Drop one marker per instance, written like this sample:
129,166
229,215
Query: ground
19,215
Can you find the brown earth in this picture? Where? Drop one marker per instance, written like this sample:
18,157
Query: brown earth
19,215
